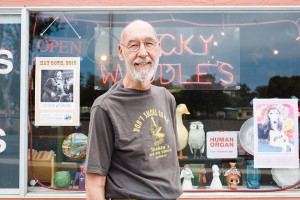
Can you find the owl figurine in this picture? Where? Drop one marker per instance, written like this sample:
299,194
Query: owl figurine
197,138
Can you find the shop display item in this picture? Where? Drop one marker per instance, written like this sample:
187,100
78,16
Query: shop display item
181,129
285,176
216,182
202,177
253,175
232,176
197,138
247,136
74,146
43,163
187,176
62,179
80,177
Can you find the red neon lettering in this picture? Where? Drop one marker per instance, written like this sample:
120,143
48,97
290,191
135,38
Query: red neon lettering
170,68
206,43
230,75
183,45
109,74
38,44
53,44
63,45
200,74
173,49
180,77
77,48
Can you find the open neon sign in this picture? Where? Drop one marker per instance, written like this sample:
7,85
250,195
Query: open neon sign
192,58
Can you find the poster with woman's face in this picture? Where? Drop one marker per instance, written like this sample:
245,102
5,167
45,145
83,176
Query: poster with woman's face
276,133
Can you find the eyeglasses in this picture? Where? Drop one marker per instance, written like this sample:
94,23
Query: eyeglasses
134,46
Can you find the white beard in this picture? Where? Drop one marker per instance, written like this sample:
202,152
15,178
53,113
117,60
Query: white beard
144,75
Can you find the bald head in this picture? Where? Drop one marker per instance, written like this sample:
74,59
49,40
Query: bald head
136,26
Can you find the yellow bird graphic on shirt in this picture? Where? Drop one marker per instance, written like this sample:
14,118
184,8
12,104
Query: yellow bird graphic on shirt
157,135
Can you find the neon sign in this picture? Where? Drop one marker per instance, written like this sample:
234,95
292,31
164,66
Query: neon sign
192,58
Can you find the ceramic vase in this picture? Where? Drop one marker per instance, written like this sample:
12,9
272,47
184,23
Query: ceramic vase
62,179
232,177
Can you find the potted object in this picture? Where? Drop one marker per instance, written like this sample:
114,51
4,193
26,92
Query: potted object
232,176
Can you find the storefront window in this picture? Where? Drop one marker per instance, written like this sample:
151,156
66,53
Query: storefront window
10,41
215,63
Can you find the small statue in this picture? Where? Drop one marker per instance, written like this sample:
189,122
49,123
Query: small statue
216,182
80,176
187,176
232,176
202,177
197,139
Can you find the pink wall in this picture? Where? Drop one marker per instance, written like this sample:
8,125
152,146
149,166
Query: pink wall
13,3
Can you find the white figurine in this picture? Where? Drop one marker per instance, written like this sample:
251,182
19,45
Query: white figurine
216,182
197,138
187,176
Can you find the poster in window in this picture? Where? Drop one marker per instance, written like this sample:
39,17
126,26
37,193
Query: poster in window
57,91
276,133
222,144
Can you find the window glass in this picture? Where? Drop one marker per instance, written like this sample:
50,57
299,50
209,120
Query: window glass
215,63
10,42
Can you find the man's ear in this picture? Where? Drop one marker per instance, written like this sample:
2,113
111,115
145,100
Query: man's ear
160,50
121,53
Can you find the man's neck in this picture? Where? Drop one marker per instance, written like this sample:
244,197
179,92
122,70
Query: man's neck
128,82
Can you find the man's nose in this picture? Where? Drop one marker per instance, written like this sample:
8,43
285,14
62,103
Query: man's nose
142,52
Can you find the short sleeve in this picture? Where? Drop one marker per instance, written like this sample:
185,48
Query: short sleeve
100,142
173,111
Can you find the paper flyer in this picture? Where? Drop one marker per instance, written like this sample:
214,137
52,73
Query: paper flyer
57,83
221,144
276,133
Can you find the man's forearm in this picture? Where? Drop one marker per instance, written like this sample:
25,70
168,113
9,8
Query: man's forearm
95,186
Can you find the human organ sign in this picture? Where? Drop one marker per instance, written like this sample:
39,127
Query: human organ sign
221,144
192,58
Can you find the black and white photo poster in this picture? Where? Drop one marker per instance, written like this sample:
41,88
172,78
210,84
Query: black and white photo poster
57,91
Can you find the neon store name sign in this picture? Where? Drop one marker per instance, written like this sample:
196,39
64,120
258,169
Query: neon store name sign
189,57
191,60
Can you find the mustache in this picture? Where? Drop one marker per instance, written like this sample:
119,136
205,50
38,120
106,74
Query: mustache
142,60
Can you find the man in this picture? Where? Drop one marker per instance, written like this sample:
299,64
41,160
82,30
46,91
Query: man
132,152
53,88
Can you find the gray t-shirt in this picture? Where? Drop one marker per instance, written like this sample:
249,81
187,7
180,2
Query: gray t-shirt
133,142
